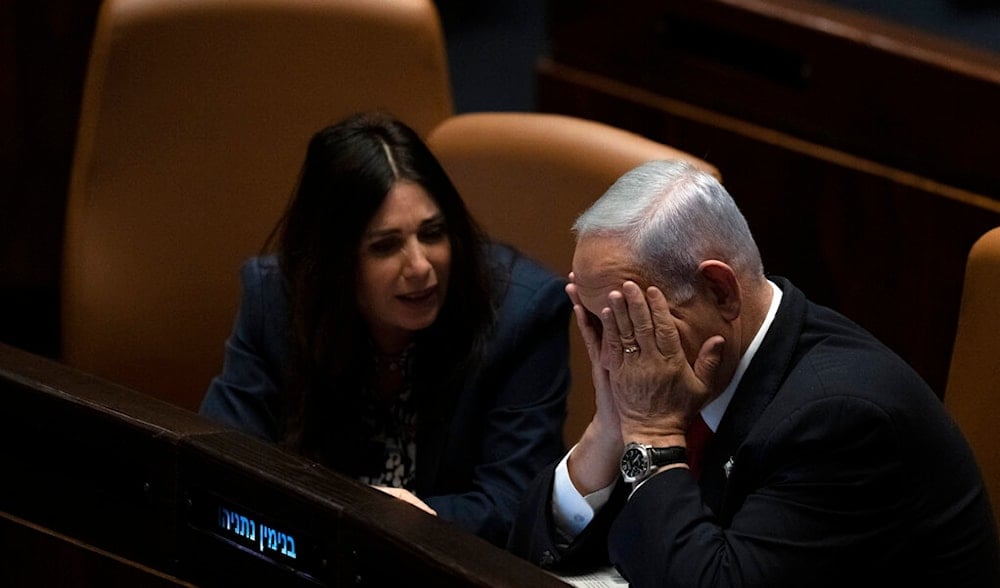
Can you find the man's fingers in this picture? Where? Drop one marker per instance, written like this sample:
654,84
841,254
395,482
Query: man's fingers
574,296
623,324
639,316
668,341
706,367
612,338
665,330
591,337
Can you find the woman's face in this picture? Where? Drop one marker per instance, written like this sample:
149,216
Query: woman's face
404,262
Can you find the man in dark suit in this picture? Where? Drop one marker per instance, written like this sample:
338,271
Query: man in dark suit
826,460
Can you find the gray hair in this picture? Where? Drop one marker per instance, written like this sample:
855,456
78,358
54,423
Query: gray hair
673,216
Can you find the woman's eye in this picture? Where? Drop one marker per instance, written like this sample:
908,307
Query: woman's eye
433,233
383,246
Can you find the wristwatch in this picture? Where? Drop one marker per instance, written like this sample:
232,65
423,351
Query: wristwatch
640,461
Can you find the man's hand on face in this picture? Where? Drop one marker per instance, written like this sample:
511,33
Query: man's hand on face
655,390
590,328
594,462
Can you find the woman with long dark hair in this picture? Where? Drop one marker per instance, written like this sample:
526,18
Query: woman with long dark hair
383,335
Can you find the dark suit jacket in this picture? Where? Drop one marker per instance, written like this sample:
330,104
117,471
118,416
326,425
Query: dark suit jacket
504,426
845,471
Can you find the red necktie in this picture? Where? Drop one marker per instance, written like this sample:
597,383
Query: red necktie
698,436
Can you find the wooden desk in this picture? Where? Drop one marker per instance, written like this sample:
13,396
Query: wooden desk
861,152
124,485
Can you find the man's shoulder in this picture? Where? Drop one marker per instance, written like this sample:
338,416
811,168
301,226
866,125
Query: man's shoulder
823,354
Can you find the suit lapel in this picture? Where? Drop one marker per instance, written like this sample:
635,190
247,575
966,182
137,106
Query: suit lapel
757,389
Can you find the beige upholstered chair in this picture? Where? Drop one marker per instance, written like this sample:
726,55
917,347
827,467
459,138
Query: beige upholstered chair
973,392
526,177
195,119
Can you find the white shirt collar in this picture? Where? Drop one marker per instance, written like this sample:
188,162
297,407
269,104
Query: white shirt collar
714,410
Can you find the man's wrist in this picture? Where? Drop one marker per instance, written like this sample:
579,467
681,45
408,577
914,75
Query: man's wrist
640,461
657,440
658,432
593,464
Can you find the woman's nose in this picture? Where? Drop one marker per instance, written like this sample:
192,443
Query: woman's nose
416,264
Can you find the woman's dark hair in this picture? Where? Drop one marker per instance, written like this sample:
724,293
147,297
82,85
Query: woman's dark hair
349,169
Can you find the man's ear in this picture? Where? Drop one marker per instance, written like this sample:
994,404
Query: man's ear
722,287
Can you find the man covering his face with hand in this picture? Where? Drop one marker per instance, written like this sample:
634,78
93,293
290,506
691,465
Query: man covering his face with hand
743,436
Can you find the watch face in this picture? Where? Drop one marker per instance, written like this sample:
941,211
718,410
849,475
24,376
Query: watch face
634,463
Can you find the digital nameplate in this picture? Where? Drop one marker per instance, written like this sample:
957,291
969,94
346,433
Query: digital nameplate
266,537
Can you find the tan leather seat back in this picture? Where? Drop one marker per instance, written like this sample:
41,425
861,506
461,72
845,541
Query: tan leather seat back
526,177
973,393
195,120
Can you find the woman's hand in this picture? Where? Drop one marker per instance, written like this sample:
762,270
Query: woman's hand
407,496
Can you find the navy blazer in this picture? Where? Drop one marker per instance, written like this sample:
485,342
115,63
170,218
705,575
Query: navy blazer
834,465
504,426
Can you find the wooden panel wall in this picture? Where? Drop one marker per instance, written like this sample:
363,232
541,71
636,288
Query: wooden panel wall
860,152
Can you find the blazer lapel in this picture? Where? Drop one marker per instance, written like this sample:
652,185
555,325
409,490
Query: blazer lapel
437,410
431,437
757,389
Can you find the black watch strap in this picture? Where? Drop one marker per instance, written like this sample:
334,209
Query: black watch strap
640,461
662,456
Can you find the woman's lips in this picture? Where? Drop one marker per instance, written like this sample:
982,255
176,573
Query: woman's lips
419,296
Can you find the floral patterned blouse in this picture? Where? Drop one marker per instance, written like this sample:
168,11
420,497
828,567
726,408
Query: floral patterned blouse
391,430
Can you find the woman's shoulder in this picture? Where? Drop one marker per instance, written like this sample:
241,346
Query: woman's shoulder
512,265
261,270
522,281
261,276
263,266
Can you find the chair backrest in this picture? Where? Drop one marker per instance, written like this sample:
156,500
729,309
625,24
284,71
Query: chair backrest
195,119
526,177
972,395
